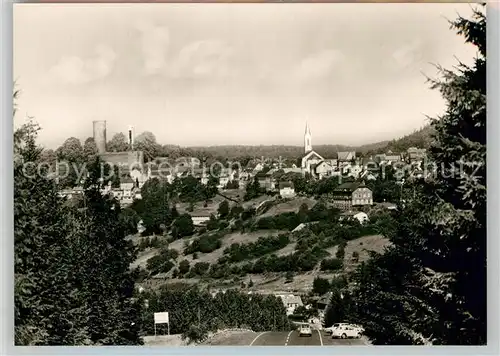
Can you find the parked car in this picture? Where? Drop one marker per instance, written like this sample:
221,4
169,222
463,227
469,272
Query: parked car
305,330
334,326
359,328
345,332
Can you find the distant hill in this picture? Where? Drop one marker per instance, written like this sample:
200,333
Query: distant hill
420,138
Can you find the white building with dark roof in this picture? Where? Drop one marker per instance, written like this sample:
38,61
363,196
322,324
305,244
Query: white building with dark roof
291,302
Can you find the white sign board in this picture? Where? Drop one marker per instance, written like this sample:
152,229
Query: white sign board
161,318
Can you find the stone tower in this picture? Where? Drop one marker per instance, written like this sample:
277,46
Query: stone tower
100,135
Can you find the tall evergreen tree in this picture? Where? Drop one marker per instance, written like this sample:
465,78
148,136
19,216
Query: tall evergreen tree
72,280
107,284
47,309
430,286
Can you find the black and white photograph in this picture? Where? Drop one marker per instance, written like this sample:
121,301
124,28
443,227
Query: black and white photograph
249,174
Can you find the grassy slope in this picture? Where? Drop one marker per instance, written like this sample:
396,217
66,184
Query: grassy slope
271,281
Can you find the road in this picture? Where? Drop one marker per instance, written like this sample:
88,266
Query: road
292,338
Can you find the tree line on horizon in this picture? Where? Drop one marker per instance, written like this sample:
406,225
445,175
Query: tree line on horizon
72,148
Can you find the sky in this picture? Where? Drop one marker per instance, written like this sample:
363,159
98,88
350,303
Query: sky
224,74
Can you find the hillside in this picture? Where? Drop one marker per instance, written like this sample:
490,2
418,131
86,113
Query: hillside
220,245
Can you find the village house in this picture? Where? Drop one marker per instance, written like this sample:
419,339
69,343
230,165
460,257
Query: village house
388,205
348,156
258,167
200,219
137,176
353,170
349,195
242,183
415,154
293,170
291,302
360,216
388,158
266,181
325,169
366,175
70,193
393,157
287,190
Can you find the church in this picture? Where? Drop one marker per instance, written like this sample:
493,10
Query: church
312,162
310,157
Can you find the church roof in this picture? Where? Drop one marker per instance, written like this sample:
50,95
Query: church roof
311,153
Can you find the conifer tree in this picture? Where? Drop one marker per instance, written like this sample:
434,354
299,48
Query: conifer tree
47,308
107,284
430,286
72,280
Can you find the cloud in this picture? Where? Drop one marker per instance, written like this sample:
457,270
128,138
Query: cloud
319,64
78,70
155,41
408,54
203,59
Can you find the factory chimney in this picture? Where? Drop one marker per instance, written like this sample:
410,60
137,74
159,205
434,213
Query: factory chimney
100,135
131,135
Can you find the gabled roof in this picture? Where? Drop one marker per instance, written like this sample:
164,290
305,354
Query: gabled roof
286,185
311,154
346,156
352,213
324,162
262,175
349,187
291,299
125,180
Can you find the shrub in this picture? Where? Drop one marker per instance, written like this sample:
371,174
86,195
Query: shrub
236,211
340,254
264,245
195,333
213,223
223,224
204,244
331,264
320,286
200,268
184,267
183,226
247,214
223,209
159,264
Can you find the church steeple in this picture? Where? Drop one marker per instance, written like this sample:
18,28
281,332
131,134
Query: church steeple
307,139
